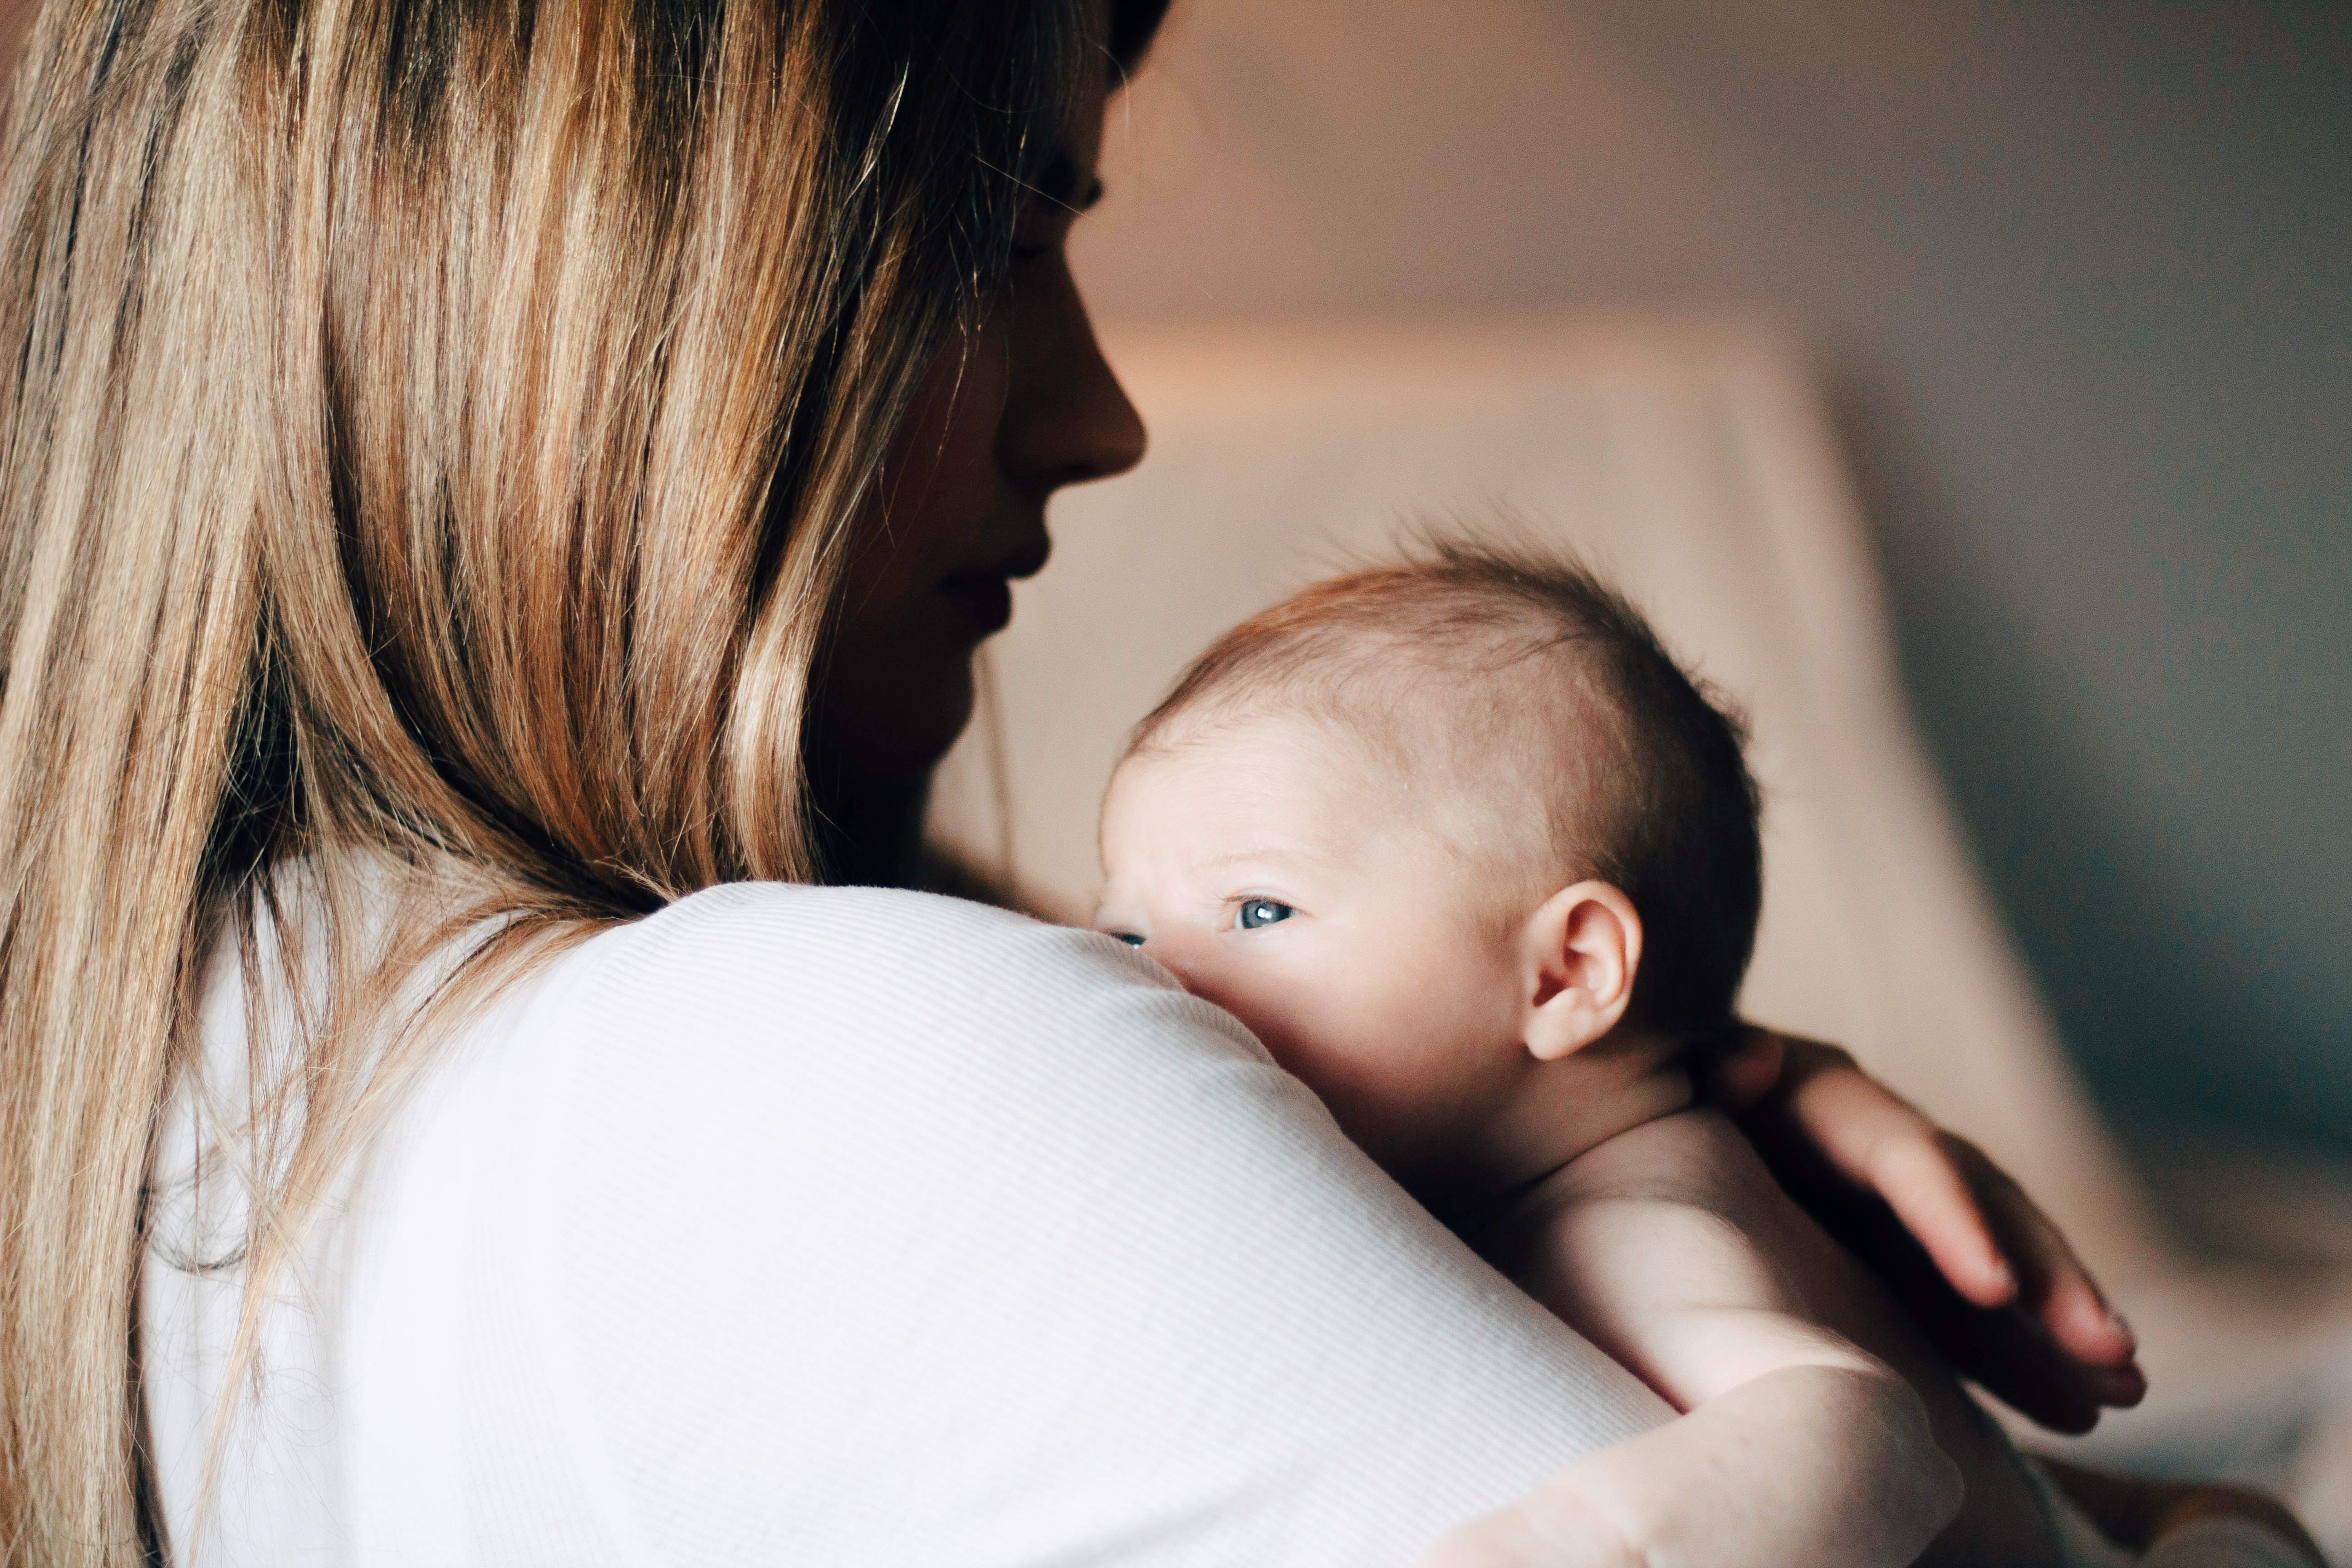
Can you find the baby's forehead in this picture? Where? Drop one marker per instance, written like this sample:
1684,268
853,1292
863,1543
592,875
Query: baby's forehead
1265,788
1450,709
1253,750
1467,770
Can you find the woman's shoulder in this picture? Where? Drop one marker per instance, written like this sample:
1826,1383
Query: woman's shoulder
756,985
816,949
837,1216
744,918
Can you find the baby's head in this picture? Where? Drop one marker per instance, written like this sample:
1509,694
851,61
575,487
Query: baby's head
1464,848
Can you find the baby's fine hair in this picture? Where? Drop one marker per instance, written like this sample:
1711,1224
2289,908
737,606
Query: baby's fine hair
1656,797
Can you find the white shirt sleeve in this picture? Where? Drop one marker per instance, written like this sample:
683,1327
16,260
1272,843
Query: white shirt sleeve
852,1226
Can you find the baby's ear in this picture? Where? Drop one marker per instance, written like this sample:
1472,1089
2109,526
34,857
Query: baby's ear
1583,947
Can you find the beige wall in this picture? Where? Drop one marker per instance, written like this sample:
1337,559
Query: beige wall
2081,272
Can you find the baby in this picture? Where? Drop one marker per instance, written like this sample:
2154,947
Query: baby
1477,862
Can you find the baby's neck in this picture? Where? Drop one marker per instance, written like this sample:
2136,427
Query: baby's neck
1619,1082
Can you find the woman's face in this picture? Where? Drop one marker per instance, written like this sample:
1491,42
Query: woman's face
1005,416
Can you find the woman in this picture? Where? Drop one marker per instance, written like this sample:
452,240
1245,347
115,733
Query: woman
498,502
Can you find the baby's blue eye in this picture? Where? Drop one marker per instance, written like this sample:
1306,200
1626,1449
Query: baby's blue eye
1128,937
1257,912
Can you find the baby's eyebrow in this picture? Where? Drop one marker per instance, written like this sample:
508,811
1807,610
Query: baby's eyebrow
1263,852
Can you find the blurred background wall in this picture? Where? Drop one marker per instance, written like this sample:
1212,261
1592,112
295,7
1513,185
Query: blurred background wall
2080,277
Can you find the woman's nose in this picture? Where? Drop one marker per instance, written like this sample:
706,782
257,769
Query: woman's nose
1066,418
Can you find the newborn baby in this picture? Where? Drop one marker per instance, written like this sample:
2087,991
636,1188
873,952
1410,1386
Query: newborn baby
1477,862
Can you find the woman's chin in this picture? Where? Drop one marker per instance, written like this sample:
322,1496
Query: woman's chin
933,725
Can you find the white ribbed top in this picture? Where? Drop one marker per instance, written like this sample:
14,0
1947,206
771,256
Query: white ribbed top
845,1227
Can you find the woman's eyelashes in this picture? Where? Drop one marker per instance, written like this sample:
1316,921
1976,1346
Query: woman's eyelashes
1040,234
1253,914
1062,194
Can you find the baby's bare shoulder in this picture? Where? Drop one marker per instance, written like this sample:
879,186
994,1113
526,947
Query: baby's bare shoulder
1694,1157
1659,1246
1683,1187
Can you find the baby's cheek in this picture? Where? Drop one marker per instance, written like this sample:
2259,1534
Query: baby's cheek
1435,1038
1375,1084
1297,1016
1284,1017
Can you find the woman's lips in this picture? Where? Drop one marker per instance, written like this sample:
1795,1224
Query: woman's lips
985,599
983,593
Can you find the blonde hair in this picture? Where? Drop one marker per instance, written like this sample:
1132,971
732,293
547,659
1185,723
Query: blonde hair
430,431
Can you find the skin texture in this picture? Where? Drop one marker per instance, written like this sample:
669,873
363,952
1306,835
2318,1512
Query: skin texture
1435,1025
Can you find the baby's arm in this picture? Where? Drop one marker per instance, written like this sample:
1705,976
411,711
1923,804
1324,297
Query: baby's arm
1796,1446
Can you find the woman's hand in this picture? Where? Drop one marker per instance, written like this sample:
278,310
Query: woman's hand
1985,1273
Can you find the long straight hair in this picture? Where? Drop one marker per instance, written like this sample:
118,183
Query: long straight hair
430,433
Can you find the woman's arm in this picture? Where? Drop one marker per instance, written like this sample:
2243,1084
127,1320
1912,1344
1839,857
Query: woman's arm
849,1225
1977,1264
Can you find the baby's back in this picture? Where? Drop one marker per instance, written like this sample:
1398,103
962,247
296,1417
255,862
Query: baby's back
1673,1246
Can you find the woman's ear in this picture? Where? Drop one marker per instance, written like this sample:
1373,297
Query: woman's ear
1583,947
